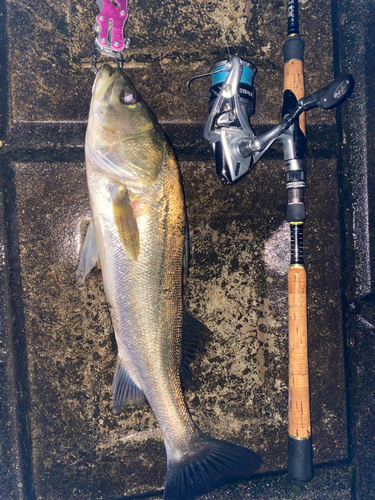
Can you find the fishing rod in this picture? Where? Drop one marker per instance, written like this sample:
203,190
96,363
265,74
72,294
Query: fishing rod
300,457
231,103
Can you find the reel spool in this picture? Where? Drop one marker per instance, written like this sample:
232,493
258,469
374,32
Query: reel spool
227,115
245,90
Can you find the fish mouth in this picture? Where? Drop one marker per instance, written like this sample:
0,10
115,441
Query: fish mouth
105,82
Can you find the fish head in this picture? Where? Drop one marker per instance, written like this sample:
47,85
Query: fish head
117,105
123,138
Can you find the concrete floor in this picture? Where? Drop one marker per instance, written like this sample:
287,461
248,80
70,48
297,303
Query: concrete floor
59,436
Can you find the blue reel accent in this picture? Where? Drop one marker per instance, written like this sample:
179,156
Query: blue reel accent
247,76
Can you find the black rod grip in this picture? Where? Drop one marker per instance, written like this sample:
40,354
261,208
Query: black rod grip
293,49
300,459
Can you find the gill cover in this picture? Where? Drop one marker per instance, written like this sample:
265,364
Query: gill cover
122,138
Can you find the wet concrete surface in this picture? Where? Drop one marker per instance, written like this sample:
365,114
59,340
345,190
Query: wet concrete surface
61,439
329,483
236,288
356,53
49,83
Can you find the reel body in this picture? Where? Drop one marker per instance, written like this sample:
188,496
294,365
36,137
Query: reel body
232,103
228,117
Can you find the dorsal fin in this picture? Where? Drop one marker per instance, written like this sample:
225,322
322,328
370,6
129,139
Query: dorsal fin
194,336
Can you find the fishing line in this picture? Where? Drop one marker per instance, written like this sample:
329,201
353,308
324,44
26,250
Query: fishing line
207,97
225,39
223,31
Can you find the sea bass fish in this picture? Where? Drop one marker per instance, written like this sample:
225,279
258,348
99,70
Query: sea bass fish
137,231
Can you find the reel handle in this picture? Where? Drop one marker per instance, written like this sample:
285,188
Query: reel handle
328,97
332,95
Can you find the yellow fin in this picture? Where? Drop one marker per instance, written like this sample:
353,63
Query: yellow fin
126,223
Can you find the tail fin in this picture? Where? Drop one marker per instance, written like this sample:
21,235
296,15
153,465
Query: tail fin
216,464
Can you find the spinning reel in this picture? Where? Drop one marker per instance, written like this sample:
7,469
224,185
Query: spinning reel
231,104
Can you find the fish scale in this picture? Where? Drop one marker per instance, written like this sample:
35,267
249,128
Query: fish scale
138,231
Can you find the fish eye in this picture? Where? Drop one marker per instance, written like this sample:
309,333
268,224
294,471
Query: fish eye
128,98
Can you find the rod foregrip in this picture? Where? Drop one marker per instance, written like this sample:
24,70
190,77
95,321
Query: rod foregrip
300,465
293,50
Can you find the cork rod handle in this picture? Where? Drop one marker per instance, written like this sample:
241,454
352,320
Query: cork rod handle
299,404
300,445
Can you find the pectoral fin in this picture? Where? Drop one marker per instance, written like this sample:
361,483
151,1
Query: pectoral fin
126,222
89,255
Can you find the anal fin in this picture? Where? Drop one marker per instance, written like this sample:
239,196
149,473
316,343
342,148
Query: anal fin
89,255
125,391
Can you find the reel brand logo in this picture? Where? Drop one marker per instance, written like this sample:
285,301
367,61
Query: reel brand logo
245,91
